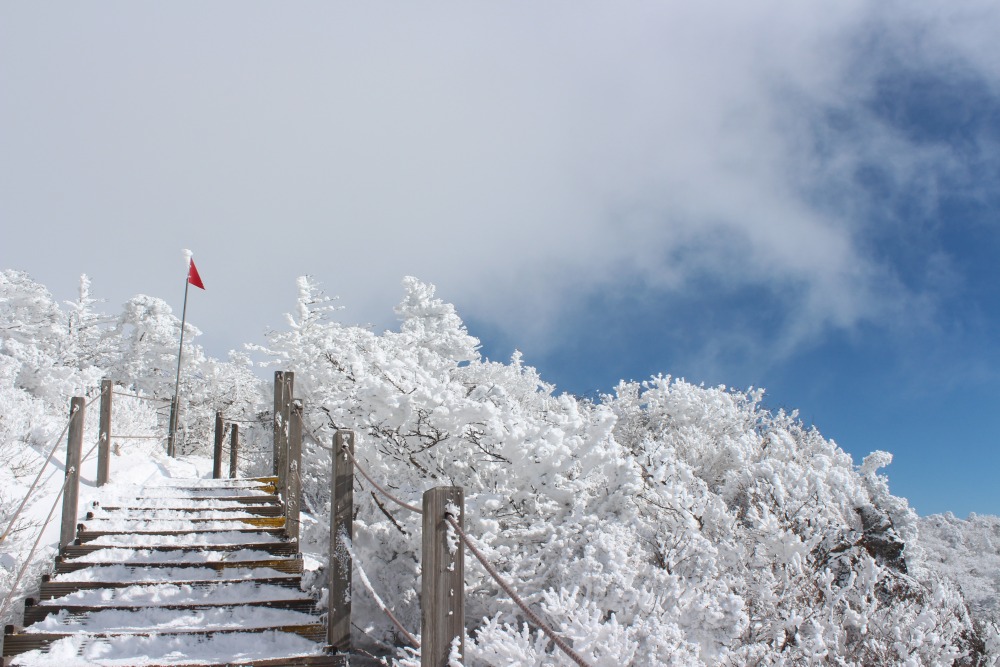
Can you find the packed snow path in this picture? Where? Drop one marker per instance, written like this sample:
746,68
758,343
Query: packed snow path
190,572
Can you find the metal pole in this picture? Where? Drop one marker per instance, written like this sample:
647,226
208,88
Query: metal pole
177,381
104,435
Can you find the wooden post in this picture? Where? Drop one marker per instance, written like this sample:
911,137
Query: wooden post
279,388
172,429
338,632
104,434
220,427
283,386
74,451
293,487
234,445
442,597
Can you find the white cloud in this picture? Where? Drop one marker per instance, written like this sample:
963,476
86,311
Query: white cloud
518,155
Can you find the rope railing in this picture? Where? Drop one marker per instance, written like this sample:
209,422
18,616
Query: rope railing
151,399
506,587
364,473
549,632
441,510
346,543
48,459
378,600
27,561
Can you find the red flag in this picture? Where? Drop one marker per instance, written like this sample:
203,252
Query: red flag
193,276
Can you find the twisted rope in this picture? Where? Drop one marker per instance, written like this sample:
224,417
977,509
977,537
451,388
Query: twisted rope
350,548
378,601
151,399
532,616
556,639
27,561
364,473
48,459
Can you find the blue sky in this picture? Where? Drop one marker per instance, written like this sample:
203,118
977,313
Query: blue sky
775,195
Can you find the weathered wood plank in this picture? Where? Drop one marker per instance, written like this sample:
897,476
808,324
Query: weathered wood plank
74,453
442,577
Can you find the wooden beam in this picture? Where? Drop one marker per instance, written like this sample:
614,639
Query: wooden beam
234,446
104,435
71,492
293,485
442,566
341,536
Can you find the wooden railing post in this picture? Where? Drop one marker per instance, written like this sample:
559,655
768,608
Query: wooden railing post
104,434
71,492
338,634
220,427
234,446
442,598
172,429
283,386
293,486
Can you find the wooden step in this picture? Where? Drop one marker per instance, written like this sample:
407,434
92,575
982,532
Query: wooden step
37,612
254,486
83,535
15,644
58,589
275,548
289,565
251,500
259,510
246,516
332,660
249,521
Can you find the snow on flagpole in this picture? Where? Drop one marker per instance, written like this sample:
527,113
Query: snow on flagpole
192,279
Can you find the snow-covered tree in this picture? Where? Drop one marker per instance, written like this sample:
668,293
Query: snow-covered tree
667,524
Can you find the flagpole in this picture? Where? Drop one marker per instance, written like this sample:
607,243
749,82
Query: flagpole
177,382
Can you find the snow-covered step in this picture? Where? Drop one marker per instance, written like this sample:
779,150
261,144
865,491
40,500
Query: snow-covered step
197,502
287,565
195,573
115,577
214,512
177,522
265,649
189,639
36,615
180,531
172,619
188,537
179,553
169,593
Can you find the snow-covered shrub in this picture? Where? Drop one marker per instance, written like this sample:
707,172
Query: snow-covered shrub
667,524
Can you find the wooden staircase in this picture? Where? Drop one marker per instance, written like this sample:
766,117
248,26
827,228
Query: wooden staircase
198,573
